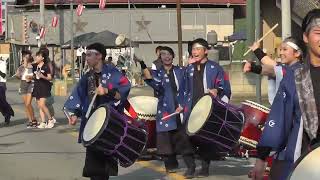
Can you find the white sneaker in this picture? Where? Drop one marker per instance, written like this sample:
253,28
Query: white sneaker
42,125
50,124
54,120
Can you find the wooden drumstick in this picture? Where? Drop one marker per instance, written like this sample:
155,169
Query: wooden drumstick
173,114
91,104
274,27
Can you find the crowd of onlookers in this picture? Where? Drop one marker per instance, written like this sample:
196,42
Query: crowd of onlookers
36,74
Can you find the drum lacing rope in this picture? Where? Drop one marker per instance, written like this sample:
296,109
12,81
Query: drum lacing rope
121,143
214,141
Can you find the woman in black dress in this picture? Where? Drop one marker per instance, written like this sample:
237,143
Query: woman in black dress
42,87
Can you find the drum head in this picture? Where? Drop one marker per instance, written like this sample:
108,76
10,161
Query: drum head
144,106
199,115
307,166
95,125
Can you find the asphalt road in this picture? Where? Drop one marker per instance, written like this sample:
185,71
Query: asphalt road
54,154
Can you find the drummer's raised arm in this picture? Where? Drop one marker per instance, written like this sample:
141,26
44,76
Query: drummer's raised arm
152,80
267,70
265,60
145,70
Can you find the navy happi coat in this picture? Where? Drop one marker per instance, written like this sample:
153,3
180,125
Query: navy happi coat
111,78
214,78
160,82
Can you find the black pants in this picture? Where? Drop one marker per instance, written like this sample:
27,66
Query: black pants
170,161
5,107
208,153
99,178
280,169
99,166
174,142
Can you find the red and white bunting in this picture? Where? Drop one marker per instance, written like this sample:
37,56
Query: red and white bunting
102,4
54,21
80,9
42,32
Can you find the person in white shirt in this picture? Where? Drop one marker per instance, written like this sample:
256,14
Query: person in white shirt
24,72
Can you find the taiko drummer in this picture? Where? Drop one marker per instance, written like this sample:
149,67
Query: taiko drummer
112,88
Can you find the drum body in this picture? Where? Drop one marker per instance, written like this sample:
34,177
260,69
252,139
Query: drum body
215,123
307,166
109,131
150,127
255,118
146,109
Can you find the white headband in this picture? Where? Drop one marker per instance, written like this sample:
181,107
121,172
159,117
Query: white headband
92,50
197,45
314,23
293,45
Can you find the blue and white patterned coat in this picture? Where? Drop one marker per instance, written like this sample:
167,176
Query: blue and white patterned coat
284,127
214,78
160,82
78,101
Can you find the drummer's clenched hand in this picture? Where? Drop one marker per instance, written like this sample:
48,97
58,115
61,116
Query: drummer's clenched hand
179,109
258,171
213,92
101,91
73,120
247,67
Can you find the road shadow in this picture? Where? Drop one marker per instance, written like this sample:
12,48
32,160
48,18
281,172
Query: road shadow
13,122
18,132
143,173
68,130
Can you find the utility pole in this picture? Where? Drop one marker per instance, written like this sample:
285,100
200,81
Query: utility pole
41,17
286,18
6,21
179,31
71,42
130,31
257,36
250,16
250,23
